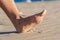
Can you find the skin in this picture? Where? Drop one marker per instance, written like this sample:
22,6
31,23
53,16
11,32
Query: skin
11,7
21,24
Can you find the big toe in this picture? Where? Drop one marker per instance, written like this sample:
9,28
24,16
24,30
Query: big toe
43,12
40,17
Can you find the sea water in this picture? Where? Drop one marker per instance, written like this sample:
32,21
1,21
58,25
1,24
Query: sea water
33,0
26,0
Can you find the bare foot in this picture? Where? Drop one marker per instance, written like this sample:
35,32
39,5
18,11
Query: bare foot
26,24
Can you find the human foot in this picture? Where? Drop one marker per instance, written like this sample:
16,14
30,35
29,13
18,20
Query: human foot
26,24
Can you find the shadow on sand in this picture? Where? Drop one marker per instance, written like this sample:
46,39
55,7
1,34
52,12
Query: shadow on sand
8,32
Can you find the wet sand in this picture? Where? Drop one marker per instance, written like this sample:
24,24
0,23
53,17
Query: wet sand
49,29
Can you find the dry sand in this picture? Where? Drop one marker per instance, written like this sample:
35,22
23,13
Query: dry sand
49,29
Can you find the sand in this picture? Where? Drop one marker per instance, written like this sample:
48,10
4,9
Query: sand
49,29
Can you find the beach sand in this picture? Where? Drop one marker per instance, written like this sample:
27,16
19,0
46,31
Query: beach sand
49,29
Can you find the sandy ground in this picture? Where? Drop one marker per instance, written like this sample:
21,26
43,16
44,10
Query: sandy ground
49,29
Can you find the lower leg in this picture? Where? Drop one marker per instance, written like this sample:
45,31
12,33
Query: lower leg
11,7
11,11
